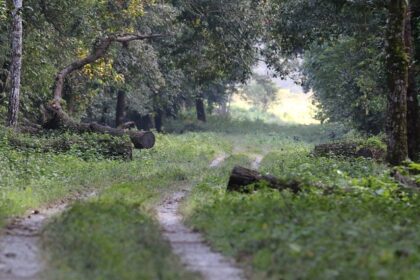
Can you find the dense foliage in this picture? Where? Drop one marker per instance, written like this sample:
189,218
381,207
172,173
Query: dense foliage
94,73
348,80
200,50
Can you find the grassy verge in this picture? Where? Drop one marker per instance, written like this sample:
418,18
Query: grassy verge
365,229
114,236
111,237
30,179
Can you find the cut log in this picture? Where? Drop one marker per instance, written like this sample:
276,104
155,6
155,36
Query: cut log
241,178
56,118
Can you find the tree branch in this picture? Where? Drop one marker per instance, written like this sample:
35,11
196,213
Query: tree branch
98,52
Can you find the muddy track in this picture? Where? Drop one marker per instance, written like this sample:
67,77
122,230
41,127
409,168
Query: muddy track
257,161
218,161
190,246
20,252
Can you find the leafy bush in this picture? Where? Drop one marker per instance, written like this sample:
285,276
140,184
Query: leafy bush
373,147
86,145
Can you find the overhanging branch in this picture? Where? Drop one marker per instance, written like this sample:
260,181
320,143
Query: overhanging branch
98,52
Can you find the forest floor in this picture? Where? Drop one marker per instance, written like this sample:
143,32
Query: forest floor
366,228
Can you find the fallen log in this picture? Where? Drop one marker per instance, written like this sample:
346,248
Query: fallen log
242,178
56,118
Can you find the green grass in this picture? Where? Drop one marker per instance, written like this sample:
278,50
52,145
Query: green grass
365,228
30,179
111,237
244,126
115,236
283,236
255,114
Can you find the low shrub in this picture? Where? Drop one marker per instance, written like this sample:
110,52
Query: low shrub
86,146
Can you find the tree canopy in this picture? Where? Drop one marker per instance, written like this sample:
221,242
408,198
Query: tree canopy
142,58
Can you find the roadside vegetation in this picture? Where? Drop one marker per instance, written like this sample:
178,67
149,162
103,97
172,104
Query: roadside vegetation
363,226
132,100
115,235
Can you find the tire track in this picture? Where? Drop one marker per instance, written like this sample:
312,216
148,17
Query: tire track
190,246
20,250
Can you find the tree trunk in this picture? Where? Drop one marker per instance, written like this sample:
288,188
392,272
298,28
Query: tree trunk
146,122
348,149
4,76
105,146
413,110
241,178
397,74
104,113
58,119
159,120
17,33
201,110
70,99
120,112
135,117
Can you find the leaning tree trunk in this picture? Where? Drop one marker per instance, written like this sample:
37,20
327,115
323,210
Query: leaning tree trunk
99,51
397,75
56,118
201,110
16,67
120,112
413,109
